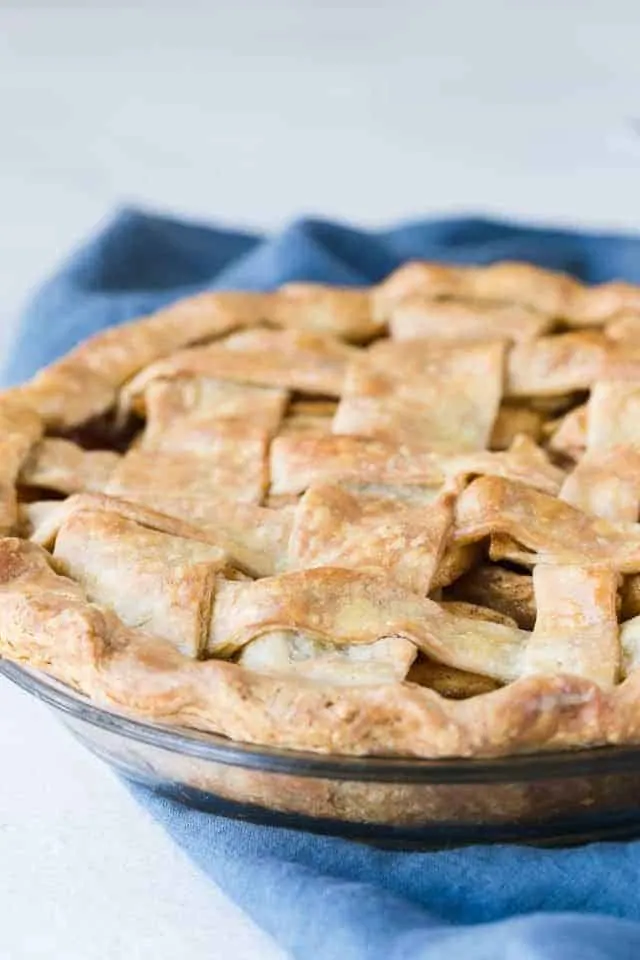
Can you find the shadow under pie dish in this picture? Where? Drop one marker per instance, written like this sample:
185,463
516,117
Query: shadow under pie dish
392,522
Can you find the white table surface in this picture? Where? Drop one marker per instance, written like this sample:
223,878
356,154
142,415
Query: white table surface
251,113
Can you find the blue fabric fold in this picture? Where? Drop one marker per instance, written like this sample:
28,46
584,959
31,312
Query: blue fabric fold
320,897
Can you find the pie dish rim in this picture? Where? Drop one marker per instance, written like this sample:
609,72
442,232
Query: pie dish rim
509,768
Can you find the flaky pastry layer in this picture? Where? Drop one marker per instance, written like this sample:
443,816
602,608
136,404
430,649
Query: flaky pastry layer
390,520
46,622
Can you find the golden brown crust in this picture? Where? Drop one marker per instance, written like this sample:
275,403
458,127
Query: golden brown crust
85,383
568,435
593,306
557,364
296,654
170,581
542,529
356,607
343,312
552,294
58,464
444,399
576,628
300,460
400,530
606,481
254,538
310,363
606,484
65,394
20,429
420,318
188,406
392,469
59,511
124,668
221,459
509,282
624,327
568,362
613,414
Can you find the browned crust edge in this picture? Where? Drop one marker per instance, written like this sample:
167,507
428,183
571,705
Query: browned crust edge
46,622
52,627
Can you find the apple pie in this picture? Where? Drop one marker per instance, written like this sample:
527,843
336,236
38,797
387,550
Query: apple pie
401,520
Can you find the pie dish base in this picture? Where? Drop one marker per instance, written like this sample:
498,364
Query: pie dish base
554,799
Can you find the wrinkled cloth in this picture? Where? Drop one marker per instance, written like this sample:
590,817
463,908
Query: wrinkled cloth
322,897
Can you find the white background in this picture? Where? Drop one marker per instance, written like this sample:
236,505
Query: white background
251,113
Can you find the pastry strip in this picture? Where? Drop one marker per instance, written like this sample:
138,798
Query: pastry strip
169,581
255,538
509,282
282,653
401,530
298,461
606,481
341,606
440,399
343,312
310,363
548,292
58,464
214,460
539,528
85,382
576,629
20,429
568,435
186,405
449,320
556,364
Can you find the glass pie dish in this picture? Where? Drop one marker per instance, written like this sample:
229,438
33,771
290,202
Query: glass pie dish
380,522
560,798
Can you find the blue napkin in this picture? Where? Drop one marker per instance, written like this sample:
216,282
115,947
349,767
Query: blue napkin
325,898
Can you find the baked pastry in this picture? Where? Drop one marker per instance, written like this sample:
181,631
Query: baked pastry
400,520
